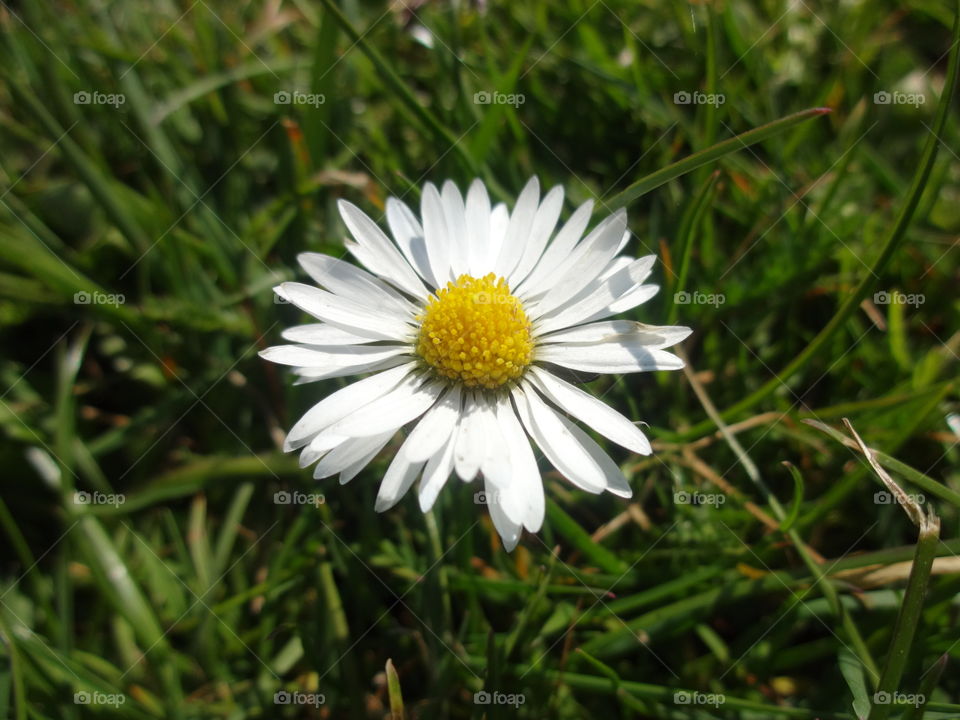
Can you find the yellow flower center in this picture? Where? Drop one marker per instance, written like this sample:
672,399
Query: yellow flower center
476,332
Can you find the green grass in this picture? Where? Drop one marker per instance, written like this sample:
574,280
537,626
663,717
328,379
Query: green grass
189,593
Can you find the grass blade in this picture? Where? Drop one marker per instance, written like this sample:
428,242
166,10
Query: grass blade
890,246
393,688
682,167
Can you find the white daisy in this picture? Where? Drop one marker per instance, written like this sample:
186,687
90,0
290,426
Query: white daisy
459,320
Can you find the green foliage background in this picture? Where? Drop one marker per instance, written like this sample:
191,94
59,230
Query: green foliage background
178,209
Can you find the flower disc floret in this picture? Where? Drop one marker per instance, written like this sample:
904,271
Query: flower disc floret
475,332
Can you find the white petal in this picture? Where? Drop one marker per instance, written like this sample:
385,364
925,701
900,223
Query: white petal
323,443
309,375
629,300
591,411
406,402
408,233
594,332
586,261
538,282
348,453
353,283
497,466
435,427
544,223
593,300
455,215
280,293
557,442
377,252
525,481
471,444
521,220
348,315
437,236
615,265
616,482
498,222
478,228
577,456
350,472
608,358
637,269
437,472
653,336
334,356
327,441
508,530
323,334
338,405
310,455
397,480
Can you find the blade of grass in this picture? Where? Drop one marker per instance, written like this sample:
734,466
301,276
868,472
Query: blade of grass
624,696
852,672
692,162
924,482
16,669
688,226
581,540
791,517
912,605
393,689
663,694
117,583
230,527
491,121
907,618
829,592
28,253
929,684
83,166
393,81
890,246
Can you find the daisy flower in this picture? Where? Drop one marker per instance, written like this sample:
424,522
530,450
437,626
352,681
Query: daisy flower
461,320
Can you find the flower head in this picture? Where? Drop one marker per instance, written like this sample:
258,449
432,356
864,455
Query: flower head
458,319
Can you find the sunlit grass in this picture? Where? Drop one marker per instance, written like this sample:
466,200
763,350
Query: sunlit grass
163,164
